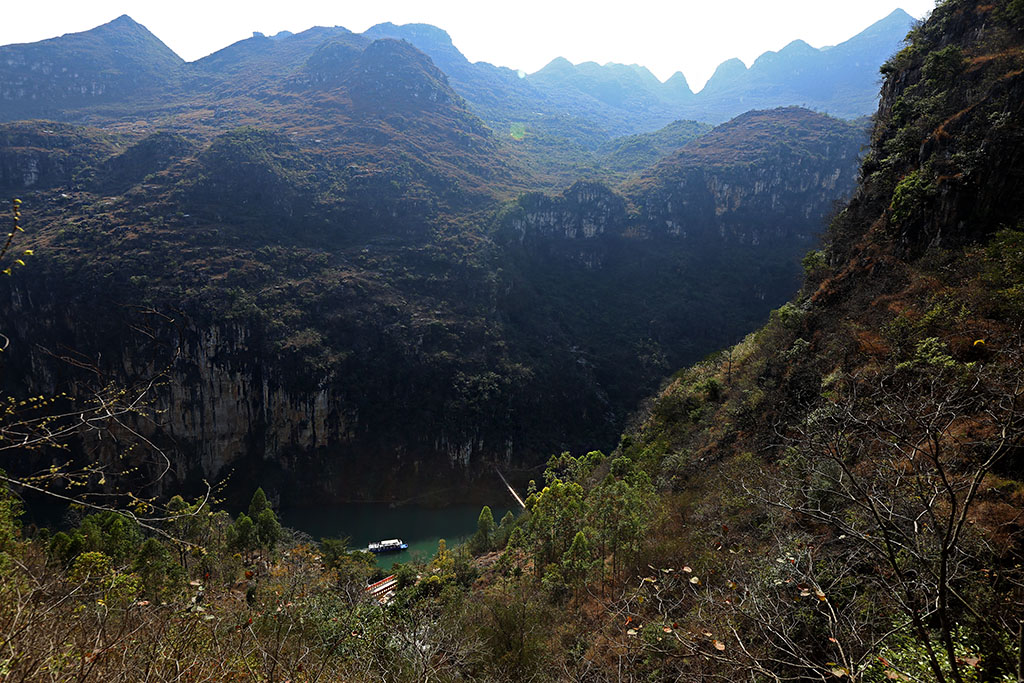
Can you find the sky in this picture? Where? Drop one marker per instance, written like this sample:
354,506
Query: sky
664,35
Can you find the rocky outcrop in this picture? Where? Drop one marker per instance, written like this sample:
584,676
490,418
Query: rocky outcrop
944,165
766,177
750,205
392,74
46,154
584,211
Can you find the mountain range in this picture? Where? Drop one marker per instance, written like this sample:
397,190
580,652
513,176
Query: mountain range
316,309
365,280
123,60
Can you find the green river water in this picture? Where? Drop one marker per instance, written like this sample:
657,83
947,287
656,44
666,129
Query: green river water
420,527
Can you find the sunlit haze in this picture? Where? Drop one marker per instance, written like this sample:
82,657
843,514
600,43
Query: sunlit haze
692,37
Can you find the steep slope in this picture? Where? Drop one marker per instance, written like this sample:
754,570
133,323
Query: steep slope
115,62
633,284
838,497
345,306
843,489
734,180
604,100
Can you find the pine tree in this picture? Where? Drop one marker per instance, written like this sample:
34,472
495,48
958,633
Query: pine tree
258,504
484,536
576,562
245,533
268,529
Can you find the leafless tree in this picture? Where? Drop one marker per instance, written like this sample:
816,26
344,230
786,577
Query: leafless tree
890,469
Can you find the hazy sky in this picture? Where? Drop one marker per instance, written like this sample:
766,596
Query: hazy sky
663,35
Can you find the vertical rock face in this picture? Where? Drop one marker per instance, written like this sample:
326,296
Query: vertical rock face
218,406
223,401
36,156
766,177
223,404
945,159
750,205
584,211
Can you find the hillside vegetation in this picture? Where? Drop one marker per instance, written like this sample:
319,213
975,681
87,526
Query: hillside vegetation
336,278
837,497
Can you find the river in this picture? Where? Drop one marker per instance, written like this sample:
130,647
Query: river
420,527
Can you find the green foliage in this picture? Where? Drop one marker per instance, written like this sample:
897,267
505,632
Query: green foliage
243,535
444,559
578,562
569,468
96,571
712,389
789,315
268,529
10,526
904,656
483,539
1003,273
504,530
333,550
814,262
910,195
554,584
944,65
516,631
555,513
932,353
352,567
405,574
156,568
258,503
1015,8
110,533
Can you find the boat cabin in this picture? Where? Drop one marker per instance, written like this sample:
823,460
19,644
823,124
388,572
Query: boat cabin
391,545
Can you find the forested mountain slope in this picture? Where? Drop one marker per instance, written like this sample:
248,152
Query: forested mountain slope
841,494
363,320
614,99
569,111
333,269
837,497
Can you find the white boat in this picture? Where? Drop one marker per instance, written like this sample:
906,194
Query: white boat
391,545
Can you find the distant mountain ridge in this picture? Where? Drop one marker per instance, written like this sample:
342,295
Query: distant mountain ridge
372,279
112,62
841,80
122,62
